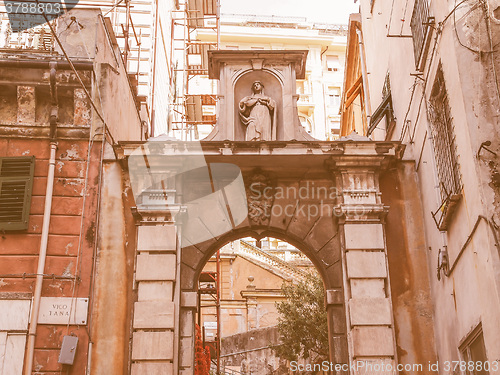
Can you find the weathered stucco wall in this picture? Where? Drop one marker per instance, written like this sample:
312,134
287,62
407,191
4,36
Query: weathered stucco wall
112,91
256,355
112,302
24,131
460,41
25,107
407,255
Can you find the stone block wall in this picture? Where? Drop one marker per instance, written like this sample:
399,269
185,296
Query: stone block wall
155,331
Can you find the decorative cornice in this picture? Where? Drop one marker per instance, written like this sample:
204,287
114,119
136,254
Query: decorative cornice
341,152
216,58
361,213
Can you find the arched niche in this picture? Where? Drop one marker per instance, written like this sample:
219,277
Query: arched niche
272,88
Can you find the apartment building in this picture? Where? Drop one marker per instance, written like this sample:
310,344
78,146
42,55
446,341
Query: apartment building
425,73
318,94
57,118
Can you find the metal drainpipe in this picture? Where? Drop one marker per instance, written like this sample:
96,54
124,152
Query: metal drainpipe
364,75
153,110
45,226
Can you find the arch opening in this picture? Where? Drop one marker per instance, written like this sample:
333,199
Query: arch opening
298,213
239,288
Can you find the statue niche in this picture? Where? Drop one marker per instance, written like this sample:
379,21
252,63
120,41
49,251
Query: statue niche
244,111
258,114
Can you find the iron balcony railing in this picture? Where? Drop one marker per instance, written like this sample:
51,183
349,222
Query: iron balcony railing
272,260
421,28
445,151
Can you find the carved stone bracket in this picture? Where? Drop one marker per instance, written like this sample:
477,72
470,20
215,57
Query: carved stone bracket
260,197
361,213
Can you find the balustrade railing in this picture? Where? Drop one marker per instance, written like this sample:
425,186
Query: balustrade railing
272,260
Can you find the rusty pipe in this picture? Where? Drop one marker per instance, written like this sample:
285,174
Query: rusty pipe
469,238
35,308
54,109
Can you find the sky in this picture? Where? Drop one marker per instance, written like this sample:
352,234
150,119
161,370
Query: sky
319,11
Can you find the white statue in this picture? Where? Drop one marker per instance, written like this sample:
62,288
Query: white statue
258,114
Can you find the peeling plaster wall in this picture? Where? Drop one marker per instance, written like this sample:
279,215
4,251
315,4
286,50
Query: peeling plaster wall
110,318
407,254
112,92
71,237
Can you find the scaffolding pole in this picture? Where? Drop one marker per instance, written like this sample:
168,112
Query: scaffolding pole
191,16
209,284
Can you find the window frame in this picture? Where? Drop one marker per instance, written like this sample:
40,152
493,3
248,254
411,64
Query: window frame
421,24
27,179
384,111
465,345
445,151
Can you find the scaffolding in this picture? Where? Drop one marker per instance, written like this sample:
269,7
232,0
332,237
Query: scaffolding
130,40
209,284
29,32
192,110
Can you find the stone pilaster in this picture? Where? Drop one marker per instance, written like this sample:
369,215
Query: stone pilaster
370,327
155,335
189,305
82,109
26,104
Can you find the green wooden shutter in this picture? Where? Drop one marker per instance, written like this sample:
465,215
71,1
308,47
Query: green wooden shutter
16,183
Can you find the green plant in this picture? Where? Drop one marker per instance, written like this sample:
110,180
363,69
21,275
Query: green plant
302,321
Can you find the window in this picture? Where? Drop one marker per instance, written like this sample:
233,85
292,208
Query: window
384,111
334,99
474,350
305,121
194,59
16,182
300,87
332,63
445,151
421,26
13,332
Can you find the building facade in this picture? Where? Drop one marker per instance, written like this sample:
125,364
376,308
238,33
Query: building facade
430,75
251,280
55,120
142,30
104,235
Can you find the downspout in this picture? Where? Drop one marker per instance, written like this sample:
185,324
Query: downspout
364,75
153,110
45,226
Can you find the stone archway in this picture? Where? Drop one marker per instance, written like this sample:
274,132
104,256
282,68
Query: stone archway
342,233
298,210
322,247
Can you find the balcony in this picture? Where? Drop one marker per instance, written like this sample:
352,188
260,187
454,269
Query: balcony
421,28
